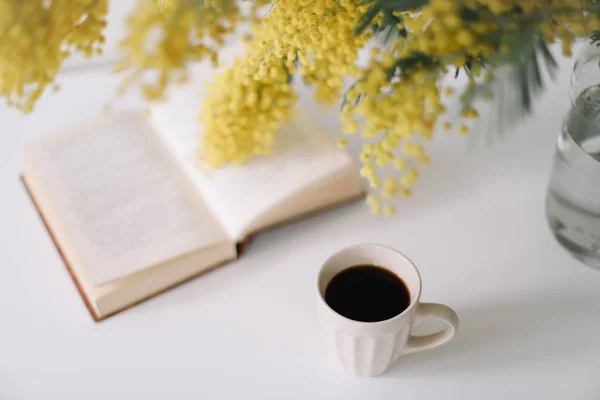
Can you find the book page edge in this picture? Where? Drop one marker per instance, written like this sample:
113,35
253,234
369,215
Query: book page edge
241,247
86,300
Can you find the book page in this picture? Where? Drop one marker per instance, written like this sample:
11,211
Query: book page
303,155
121,200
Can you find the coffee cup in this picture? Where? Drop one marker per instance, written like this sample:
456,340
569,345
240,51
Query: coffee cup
365,318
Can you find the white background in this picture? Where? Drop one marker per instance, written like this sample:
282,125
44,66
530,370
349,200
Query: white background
475,228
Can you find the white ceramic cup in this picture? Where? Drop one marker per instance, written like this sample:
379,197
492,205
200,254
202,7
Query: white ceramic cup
370,348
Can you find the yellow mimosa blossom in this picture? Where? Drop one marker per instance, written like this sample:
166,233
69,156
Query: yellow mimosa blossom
394,102
394,106
314,38
165,36
342,143
37,36
399,163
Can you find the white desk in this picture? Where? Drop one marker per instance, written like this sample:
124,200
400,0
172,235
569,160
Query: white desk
529,313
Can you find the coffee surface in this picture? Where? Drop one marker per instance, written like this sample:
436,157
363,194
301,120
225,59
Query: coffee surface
367,293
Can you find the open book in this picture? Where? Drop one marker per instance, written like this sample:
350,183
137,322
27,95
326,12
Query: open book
133,214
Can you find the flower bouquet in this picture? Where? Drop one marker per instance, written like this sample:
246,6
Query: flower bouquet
394,103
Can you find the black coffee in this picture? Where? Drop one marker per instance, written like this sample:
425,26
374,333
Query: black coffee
367,293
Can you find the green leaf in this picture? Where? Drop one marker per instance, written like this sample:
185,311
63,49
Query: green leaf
388,30
366,19
595,38
290,76
387,7
548,59
524,88
468,14
519,80
402,5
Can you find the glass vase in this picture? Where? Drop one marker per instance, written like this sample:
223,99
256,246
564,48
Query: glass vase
573,197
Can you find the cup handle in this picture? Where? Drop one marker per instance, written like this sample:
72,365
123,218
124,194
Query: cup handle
432,310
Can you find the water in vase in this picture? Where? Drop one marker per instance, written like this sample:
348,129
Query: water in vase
573,200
